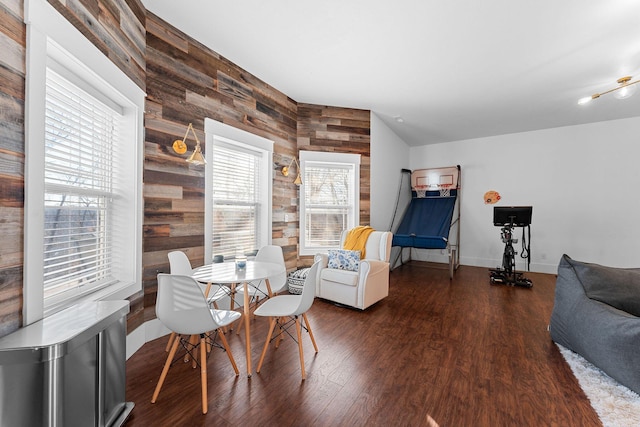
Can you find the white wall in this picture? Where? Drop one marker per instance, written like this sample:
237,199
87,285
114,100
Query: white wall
582,182
389,155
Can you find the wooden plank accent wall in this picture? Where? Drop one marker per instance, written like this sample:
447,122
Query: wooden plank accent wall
185,82
114,27
340,130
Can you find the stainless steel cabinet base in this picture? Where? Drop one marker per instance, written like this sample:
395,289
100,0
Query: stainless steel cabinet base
67,369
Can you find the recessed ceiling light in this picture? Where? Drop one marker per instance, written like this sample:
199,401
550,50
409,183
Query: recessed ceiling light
399,119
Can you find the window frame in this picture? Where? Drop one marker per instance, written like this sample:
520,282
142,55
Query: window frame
51,37
352,160
220,133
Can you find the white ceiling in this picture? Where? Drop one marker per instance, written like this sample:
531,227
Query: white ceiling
452,69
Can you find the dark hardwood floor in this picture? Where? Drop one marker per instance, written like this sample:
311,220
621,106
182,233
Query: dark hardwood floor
464,352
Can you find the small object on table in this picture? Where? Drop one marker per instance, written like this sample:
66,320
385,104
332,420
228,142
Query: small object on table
241,262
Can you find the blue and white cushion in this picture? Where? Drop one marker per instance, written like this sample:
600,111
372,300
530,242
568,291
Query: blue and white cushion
344,259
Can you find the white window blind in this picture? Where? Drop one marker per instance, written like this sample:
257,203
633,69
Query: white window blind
80,133
236,200
330,199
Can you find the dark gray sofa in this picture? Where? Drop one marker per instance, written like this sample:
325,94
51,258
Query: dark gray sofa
596,314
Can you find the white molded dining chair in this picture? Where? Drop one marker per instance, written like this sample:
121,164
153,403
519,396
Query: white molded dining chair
182,307
179,264
285,310
258,291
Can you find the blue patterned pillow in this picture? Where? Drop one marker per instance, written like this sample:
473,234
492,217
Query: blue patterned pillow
343,259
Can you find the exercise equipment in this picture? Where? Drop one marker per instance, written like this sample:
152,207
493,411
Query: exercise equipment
509,218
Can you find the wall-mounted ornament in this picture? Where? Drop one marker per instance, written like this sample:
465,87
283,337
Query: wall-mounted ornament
286,169
491,197
180,147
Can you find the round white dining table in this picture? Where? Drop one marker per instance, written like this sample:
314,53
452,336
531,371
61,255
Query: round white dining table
227,273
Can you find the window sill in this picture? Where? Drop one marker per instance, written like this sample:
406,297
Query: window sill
117,291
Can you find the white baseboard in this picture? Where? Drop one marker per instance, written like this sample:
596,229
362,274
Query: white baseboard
441,256
149,331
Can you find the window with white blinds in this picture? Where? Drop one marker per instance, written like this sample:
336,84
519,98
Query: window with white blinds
84,140
237,206
329,199
80,136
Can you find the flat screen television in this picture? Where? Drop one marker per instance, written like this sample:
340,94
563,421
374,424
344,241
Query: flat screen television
519,216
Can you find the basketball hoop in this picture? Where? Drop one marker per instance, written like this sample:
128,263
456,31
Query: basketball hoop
445,190
421,191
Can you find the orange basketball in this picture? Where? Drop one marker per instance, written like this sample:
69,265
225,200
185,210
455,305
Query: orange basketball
491,197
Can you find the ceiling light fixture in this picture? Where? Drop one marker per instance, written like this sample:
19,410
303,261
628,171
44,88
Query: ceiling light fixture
624,90
180,147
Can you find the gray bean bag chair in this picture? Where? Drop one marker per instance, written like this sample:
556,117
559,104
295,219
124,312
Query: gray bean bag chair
596,314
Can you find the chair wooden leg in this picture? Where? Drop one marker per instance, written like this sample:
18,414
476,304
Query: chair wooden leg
232,297
299,332
272,325
282,321
313,340
165,370
256,303
171,338
225,344
209,342
240,325
194,357
203,373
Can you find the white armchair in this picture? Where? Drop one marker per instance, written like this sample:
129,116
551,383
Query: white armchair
361,288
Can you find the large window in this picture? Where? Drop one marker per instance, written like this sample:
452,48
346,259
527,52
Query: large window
329,199
80,139
83,170
238,208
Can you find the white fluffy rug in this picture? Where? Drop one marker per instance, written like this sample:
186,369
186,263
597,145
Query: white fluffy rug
615,404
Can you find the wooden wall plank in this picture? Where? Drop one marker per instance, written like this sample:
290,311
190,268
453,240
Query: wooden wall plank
10,299
13,84
162,191
11,22
13,53
166,33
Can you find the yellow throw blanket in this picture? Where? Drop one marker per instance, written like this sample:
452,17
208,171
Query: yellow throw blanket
356,239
